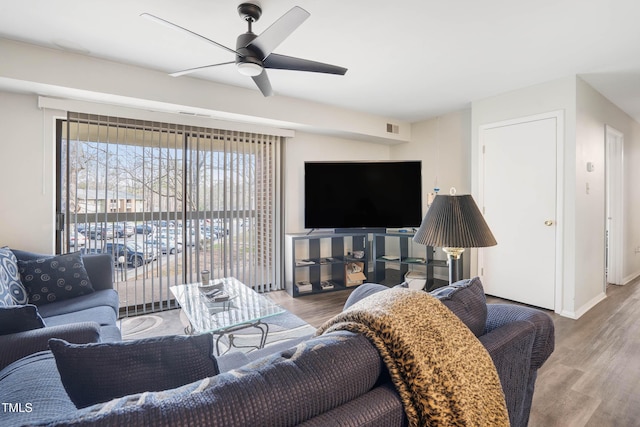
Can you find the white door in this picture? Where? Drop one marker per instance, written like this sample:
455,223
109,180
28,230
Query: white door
518,195
614,205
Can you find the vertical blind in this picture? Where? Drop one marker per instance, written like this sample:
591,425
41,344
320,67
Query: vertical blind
168,201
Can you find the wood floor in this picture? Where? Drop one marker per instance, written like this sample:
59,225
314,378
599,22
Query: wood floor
592,378
313,309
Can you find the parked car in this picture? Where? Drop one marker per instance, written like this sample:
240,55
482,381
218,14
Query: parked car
165,246
145,229
213,232
98,232
134,254
77,239
220,231
190,235
127,229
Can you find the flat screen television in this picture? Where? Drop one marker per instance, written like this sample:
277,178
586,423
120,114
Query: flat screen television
384,194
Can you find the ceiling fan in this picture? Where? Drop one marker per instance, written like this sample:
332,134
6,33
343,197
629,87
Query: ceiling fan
254,53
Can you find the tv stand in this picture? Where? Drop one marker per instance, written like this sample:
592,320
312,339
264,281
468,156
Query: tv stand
324,262
395,254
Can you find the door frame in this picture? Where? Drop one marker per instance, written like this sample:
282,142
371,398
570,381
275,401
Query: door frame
614,206
558,115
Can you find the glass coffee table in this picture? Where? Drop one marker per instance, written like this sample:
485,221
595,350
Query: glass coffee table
208,309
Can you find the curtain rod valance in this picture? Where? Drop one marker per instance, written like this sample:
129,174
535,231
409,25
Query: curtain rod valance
141,113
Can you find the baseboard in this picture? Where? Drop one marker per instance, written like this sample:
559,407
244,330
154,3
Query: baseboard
630,278
586,307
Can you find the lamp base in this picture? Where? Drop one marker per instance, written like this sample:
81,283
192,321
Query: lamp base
453,256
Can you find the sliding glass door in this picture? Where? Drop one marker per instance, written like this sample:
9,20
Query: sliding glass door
168,201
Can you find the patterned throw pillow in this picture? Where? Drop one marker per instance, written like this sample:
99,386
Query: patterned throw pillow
12,292
55,278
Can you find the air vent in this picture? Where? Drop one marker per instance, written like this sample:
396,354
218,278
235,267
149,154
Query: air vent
391,128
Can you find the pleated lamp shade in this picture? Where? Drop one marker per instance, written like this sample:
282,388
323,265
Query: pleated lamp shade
454,222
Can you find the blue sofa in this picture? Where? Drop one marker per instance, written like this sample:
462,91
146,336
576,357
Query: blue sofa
86,318
335,379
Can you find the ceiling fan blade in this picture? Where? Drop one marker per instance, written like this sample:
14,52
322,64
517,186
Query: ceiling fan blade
192,70
184,30
263,83
283,62
271,38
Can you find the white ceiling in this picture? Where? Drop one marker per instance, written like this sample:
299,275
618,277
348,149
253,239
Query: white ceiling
407,59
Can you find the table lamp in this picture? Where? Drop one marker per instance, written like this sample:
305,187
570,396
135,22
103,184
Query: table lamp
454,223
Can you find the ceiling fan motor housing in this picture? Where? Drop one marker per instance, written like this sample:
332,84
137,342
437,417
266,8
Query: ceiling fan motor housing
247,55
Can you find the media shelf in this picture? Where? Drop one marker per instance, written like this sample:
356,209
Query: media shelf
324,262
395,254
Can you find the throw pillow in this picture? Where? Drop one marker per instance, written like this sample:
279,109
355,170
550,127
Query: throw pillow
363,291
467,301
12,291
55,278
99,372
19,318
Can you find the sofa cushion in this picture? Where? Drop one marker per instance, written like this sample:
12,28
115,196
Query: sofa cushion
467,300
12,292
106,298
19,318
33,383
94,373
362,292
55,278
110,333
101,315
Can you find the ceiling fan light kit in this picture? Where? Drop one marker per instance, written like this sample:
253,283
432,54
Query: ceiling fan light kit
254,52
249,69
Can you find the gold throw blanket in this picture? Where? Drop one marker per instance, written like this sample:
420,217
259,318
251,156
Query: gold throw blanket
443,374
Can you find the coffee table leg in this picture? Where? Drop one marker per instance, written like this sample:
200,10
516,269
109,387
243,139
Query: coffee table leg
261,326
265,332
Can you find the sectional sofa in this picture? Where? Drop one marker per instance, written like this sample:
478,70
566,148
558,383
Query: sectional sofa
333,379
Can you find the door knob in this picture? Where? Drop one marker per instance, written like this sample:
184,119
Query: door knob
548,223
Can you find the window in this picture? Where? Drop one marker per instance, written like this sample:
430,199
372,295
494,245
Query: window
168,201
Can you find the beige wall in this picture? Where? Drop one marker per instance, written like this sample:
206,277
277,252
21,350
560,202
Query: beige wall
27,166
443,145
594,113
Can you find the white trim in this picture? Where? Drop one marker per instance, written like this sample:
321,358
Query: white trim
630,278
585,307
165,114
560,144
614,203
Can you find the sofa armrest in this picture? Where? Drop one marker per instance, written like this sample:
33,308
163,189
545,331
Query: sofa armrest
100,270
510,348
16,346
499,315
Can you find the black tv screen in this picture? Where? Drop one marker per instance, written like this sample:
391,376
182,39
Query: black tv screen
363,194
